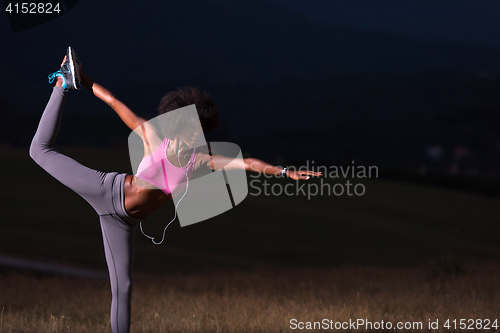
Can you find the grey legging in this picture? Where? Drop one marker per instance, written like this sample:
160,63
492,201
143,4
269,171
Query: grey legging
104,192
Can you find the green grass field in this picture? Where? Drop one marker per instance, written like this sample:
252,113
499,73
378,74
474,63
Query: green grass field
400,252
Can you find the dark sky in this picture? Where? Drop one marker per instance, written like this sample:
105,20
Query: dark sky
466,21
131,26
267,62
474,22
121,25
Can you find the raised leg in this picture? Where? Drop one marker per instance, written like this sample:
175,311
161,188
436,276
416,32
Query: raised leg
85,181
104,192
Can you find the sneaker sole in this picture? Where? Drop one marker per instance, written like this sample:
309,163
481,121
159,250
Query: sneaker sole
71,56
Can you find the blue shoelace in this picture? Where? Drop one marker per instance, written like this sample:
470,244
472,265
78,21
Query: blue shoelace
53,76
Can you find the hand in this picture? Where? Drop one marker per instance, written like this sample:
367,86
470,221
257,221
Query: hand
83,76
64,60
302,174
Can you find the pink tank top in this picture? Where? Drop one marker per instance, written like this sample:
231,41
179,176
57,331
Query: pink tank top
157,170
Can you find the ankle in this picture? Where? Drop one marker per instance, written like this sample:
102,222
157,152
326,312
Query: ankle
59,82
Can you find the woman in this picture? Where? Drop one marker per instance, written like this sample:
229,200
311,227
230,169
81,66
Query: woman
121,200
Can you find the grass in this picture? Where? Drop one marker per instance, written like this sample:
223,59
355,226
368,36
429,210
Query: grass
401,252
263,300
392,224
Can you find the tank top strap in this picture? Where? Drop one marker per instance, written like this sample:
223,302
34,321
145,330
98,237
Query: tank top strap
193,156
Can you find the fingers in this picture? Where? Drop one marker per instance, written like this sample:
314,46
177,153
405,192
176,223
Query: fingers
64,60
311,173
304,174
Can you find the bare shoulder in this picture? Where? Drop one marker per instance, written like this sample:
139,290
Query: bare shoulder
150,136
201,159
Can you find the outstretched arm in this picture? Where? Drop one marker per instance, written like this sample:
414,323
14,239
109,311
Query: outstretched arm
128,116
256,165
134,122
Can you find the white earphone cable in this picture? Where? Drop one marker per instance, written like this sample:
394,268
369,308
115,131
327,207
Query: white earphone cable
178,202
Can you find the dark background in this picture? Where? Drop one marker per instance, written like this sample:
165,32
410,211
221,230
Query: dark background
411,87
373,81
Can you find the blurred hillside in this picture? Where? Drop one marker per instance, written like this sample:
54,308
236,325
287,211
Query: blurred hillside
430,122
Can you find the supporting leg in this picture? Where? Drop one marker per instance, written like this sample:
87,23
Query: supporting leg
119,248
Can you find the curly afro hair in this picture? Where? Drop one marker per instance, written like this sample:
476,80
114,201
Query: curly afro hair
208,112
